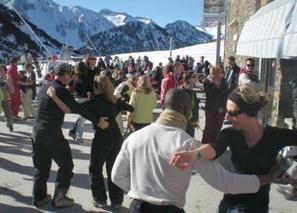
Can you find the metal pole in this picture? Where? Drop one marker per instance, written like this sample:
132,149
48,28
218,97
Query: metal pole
218,43
48,52
89,39
218,50
170,47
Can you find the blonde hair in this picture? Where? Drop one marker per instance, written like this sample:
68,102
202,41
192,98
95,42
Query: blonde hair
251,96
86,59
102,84
143,84
214,70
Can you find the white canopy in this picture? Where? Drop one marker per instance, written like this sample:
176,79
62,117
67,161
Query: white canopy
289,48
271,31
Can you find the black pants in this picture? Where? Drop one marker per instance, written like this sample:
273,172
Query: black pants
44,151
104,150
226,207
138,206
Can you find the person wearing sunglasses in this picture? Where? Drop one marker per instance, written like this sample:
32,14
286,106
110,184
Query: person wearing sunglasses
254,148
246,74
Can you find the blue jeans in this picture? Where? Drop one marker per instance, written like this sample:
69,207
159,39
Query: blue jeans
79,125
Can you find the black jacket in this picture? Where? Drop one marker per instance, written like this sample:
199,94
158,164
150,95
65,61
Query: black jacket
50,117
101,107
231,76
85,81
216,97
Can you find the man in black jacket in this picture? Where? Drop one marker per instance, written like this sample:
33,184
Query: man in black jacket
85,72
232,73
49,142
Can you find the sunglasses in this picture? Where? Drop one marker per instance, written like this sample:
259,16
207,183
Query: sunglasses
250,65
234,113
92,58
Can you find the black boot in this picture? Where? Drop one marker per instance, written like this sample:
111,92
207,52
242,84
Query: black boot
61,200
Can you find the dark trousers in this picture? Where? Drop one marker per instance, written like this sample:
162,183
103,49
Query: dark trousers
104,150
43,154
226,207
213,125
139,206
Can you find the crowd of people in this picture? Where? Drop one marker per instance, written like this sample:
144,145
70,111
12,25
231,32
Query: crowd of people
101,90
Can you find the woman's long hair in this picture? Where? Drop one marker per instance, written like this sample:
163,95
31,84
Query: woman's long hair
86,59
143,85
103,85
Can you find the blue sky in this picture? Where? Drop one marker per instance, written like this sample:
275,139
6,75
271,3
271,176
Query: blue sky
161,11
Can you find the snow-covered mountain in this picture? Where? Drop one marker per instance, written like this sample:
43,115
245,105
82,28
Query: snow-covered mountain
188,34
142,36
131,37
119,19
113,31
16,38
69,25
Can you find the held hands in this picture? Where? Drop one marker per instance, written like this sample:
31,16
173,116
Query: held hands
51,92
103,124
183,159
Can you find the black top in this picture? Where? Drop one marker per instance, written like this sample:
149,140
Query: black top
50,117
255,160
216,97
85,81
101,107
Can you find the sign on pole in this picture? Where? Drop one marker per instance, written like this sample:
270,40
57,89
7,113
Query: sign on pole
214,10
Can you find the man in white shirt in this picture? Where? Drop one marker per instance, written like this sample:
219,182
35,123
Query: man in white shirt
142,167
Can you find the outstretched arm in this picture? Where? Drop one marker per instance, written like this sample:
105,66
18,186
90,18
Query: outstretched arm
184,159
51,92
227,182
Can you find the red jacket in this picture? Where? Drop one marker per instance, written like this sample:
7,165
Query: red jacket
167,83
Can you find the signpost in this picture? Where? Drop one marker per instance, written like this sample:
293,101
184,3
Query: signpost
214,10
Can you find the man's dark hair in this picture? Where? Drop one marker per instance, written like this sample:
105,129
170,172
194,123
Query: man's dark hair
62,68
178,100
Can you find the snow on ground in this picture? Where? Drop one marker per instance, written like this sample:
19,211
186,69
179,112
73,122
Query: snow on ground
208,50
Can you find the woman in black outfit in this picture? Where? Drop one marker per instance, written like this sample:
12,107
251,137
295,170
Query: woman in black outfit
216,92
107,142
254,148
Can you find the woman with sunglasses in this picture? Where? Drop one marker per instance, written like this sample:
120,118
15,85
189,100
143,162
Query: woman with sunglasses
246,74
254,148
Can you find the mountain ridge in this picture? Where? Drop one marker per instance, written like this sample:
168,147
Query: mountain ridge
78,27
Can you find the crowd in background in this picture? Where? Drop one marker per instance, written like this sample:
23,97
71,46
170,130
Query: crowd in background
133,85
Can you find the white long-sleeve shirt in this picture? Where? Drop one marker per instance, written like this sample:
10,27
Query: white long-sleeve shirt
142,168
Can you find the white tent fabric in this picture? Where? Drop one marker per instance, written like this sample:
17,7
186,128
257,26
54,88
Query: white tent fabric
262,35
289,48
